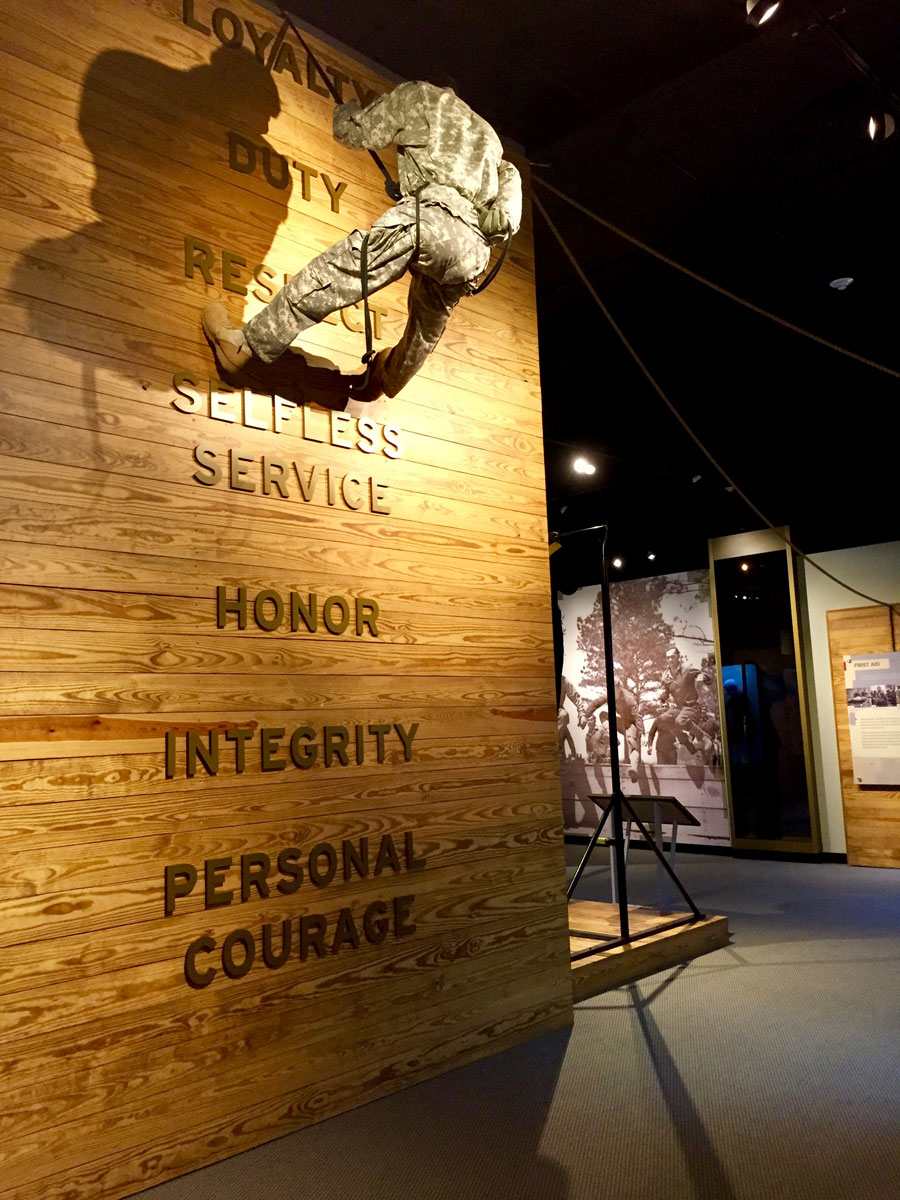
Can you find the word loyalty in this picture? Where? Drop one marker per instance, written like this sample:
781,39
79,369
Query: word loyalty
230,29
276,749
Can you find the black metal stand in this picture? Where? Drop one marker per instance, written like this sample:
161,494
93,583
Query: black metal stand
617,799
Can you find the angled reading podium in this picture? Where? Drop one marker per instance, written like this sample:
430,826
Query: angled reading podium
654,812
625,808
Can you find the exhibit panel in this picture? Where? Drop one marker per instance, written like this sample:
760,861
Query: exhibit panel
865,672
667,709
279,803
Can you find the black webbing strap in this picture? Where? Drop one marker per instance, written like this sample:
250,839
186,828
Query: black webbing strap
367,316
364,280
391,186
492,274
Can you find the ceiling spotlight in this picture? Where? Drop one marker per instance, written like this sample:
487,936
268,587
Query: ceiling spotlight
617,563
745,566
583,467
651,557
841,284
881,126
759,11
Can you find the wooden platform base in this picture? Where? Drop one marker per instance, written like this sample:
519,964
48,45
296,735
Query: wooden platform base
625,964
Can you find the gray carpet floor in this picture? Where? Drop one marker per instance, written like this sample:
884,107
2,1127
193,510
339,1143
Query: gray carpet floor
770,1069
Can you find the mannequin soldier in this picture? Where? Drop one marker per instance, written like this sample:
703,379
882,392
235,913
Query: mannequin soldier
459,196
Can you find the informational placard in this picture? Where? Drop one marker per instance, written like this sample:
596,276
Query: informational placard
873,703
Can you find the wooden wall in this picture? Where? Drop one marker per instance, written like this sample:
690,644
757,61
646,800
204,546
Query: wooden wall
871,818
117,1073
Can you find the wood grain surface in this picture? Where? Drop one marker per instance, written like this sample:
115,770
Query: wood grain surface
871,818
621,965
441,935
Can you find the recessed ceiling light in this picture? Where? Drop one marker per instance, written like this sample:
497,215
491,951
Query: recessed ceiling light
759,11
617,562
583,467
745,566
881,126
651,556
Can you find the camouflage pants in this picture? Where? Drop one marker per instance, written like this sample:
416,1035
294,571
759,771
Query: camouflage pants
450,257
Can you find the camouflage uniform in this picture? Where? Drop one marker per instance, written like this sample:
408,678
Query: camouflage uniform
453,160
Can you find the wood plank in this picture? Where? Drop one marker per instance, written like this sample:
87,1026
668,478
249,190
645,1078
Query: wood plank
627,964
31,781
24,650
524,787
105,612
55,693
142,574
433,521
129,1038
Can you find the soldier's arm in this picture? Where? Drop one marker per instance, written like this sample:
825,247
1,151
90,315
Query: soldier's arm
379,123
505,210
593,705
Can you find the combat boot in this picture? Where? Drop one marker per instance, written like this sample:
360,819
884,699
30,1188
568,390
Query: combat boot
228,343
374,388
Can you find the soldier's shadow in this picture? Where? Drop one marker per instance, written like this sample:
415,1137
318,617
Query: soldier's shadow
305,378
107,296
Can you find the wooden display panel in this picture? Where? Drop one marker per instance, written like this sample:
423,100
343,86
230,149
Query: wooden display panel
144,727
871,818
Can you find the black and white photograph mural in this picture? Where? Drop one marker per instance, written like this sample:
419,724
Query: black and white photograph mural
666,701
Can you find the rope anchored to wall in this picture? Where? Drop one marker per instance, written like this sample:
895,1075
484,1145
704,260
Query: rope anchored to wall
645,371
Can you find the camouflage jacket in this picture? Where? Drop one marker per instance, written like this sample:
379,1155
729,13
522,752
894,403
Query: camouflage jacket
445,150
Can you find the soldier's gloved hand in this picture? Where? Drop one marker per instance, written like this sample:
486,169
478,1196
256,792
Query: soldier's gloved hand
343,125
494,223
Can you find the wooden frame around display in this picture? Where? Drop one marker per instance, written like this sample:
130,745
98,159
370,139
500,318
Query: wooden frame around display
871,817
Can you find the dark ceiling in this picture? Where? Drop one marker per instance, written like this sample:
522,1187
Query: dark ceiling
742,154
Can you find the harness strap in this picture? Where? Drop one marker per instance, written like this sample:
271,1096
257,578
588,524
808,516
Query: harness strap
367,316
391,186
492,274
369,355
